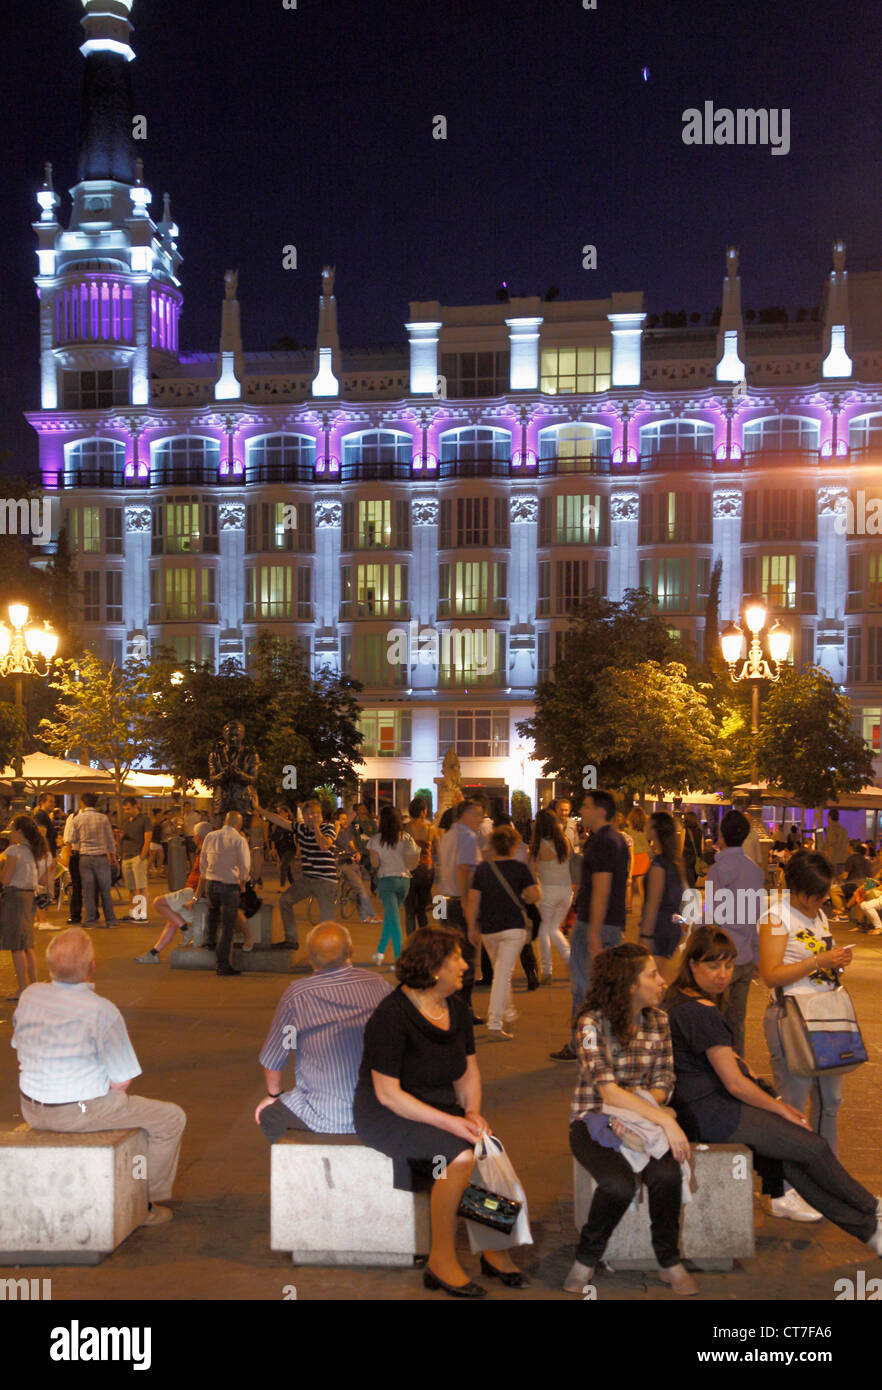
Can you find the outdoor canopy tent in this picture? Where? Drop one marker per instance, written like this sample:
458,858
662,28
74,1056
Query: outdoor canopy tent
43,773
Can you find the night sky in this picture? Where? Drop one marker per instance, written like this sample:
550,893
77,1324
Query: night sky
313,127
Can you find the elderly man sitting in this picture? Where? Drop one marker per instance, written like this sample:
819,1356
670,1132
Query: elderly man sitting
322,1019
76,1063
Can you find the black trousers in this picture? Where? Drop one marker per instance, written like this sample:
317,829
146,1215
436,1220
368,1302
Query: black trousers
277,1119
810,1166
419,899
456,921
616,1185
223,904
76,887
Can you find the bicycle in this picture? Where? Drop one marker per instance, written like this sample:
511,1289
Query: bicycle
345,903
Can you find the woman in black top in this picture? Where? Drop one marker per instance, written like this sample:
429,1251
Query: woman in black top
496,917
718,1101
419,1094
663,891
692,843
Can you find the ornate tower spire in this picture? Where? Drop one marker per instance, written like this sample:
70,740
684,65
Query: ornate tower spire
230,359
730,335
326,381
837,318
107,148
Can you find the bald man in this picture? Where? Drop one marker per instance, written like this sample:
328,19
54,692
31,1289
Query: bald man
321,1019
224,867
76,1062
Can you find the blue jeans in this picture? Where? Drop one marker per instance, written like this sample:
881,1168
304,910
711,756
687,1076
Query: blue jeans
824,1093
580,963
223,904
95,875
392,891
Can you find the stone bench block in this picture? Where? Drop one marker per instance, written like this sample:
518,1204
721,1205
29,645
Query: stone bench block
260,925
332,1203
69,1198
263,960
717,1226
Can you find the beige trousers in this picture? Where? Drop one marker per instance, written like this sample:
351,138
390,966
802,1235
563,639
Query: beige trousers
163,1121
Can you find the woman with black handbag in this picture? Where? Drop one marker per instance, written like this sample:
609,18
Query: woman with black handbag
718,1101
24,869
497,918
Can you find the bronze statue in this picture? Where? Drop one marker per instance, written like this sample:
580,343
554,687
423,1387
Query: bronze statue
232,775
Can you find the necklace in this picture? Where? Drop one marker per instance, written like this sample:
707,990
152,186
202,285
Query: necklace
424,1010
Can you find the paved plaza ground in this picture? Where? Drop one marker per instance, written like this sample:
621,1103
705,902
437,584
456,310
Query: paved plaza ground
197,1037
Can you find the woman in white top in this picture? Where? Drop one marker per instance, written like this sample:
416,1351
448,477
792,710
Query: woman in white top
797,956
393,855
23,869
550,861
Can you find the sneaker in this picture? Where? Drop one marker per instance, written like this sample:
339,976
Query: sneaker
791,1207
566,1054
157,1216
149,958
248,947
377,958
499,1035
578,1277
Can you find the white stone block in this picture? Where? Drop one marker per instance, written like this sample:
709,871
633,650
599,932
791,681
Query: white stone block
332,1202
716,1227
69,1197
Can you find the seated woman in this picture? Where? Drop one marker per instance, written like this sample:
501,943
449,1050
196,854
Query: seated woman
418,1098
624,1043
718,1101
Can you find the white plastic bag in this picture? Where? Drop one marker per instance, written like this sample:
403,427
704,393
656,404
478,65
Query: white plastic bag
494,1171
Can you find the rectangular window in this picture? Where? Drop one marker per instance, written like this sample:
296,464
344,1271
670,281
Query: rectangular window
601,576
853,656
374,525
779,580
113,595
94,390
870,722
84,529
874,580
576,370
874,654
543,657
807,646
402,524
191,650
855,596
543,595
113,530
749,573
580,520
501,515
673,585
445,524
182,531
92,596
646,575
304,593
702,578
366,657
387,733
381,591
646,524
808,597
573,584
474,733
268,592
472,521
545,505
468,375
471,656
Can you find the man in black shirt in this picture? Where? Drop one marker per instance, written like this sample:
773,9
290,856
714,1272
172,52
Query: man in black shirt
43,817
600,902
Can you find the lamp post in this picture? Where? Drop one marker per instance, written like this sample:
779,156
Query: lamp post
755,668
24,652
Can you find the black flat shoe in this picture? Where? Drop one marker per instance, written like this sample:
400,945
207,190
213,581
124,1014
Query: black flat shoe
469,1290
512,1280
532,981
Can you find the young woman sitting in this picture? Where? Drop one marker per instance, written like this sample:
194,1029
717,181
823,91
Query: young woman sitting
718,1101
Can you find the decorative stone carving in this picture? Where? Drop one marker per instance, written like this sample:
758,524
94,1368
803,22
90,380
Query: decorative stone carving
727,502
831,500
623,506
524,508
231,516
328,514
138,519
425,511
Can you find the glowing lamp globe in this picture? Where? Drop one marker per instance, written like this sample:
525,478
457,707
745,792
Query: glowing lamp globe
18,614
731,639
779,644
755,617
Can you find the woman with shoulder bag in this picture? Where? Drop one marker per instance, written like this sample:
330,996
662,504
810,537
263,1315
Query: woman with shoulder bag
497,919
797,956
24,869
718,1101
661,927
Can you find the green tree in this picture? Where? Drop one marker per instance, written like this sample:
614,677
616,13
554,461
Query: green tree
650,730
11,733
806,743
104,710
604,635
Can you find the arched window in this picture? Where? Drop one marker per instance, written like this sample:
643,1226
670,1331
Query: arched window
378,446
189,459
865,433
670,437
99,462
279,458
575,442
475,443
782,434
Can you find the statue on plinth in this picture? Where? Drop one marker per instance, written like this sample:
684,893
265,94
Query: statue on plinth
232,775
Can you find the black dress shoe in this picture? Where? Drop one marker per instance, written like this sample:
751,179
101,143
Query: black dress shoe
469,1290
532,980
227,970
477,1020
566,1054
513,1279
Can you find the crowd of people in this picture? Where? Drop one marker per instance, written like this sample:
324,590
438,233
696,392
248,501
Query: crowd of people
657,1024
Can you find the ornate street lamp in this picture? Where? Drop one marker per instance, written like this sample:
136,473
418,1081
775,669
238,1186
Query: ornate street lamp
24,652
755,668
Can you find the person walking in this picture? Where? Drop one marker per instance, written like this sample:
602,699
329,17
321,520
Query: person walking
692,845
351,864
134,851
600,904
93,837
458,857
661,926
24,867
225,867
73,868
425,836
497,919
637,825
394,855
550,854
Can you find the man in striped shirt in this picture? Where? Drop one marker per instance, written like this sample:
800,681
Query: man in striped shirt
76,1062
315,840
322,1019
